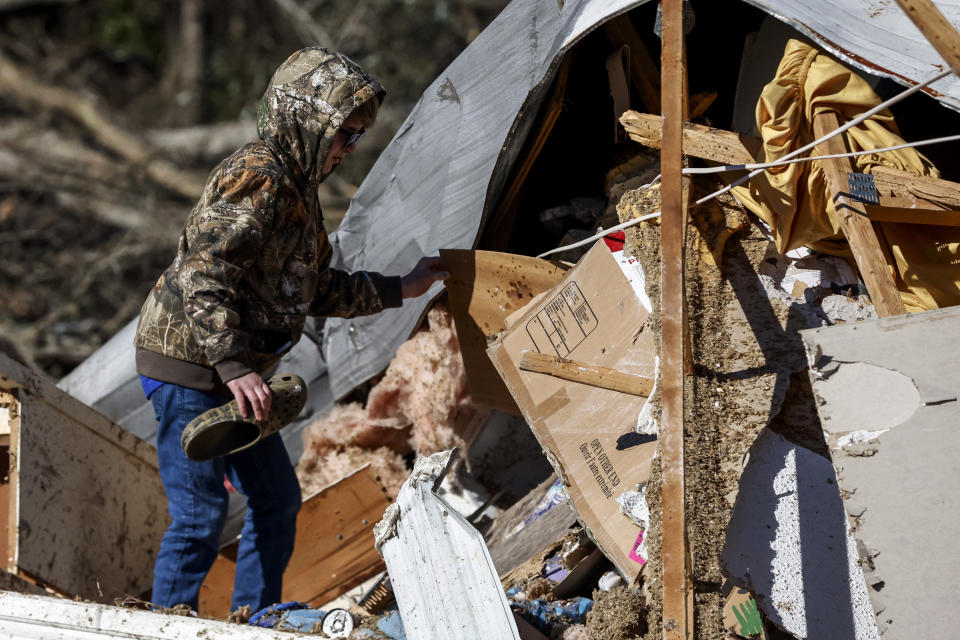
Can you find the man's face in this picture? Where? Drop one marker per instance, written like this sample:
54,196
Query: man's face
340,149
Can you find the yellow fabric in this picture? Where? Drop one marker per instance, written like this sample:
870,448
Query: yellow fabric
792,199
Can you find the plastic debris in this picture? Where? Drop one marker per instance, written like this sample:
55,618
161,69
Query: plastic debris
338,623
270,616
609,580
549,616
303,620
391,626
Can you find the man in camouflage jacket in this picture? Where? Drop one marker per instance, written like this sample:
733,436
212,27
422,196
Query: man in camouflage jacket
253,261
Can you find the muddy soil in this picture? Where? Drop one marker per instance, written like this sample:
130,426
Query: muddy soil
617,615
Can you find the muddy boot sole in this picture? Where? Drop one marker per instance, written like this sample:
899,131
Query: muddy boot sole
222,430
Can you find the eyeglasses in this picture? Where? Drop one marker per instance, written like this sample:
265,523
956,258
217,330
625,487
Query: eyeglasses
353,137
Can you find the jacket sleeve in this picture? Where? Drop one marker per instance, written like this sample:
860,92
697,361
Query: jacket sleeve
230,234
362,293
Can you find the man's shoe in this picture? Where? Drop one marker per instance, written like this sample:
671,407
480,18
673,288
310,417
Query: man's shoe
222,430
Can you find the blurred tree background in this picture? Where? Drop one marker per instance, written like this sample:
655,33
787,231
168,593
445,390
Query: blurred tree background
112,112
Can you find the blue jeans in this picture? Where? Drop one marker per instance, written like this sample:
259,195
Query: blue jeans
198,501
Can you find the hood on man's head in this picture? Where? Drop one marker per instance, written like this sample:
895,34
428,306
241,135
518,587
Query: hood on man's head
308,98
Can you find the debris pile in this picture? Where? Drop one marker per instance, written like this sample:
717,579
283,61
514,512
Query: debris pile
420,405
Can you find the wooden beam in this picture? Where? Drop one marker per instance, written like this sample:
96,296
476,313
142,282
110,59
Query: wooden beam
910,211
496,234
726,147
937,191
936,29
699,141
572,371
677,587
644,74
333,551
855,223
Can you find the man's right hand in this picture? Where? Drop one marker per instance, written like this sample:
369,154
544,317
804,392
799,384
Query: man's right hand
252,387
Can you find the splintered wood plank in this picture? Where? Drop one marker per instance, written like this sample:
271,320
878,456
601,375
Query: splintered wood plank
87,508
892,181
727,147
602,377
699,141
855,223
10,409
936,29
333,551
889,211
484,288
677,592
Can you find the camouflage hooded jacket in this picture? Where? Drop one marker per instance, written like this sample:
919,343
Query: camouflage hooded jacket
253,259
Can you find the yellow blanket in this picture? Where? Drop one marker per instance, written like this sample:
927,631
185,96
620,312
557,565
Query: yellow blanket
792,199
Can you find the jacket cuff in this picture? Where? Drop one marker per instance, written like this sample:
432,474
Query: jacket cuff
391,292
231,369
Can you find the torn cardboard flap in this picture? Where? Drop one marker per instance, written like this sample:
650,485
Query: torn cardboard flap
592,316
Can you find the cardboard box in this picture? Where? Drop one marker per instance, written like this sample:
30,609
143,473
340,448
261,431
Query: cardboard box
593,316
484,288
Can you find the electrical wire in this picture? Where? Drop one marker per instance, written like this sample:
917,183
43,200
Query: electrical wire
851,154
790,158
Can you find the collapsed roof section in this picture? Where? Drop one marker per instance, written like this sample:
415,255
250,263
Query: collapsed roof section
448,164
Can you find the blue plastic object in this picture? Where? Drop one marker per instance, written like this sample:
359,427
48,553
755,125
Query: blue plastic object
544,615
270,616
391,626
300,619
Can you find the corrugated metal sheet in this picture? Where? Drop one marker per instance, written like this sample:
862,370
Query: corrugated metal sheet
444,580
872,35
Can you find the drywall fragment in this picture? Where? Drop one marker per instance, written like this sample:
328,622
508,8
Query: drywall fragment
444,580
788,542
887,397
864,397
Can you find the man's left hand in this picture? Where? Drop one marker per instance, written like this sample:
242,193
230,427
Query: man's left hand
427,271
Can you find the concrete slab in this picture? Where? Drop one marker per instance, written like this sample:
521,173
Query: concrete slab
887,393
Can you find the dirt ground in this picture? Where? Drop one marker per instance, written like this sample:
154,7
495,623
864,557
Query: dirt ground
617,615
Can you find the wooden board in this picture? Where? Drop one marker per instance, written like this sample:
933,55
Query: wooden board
485,287
602,377
936,29
87,508
644,74
677,587
699,141
333,552
512,542
726,147
886,211
854,222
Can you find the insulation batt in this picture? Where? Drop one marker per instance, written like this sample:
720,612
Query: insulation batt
413,408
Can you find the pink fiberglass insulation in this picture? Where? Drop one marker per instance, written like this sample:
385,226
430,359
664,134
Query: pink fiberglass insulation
417,405
389,466
425,385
